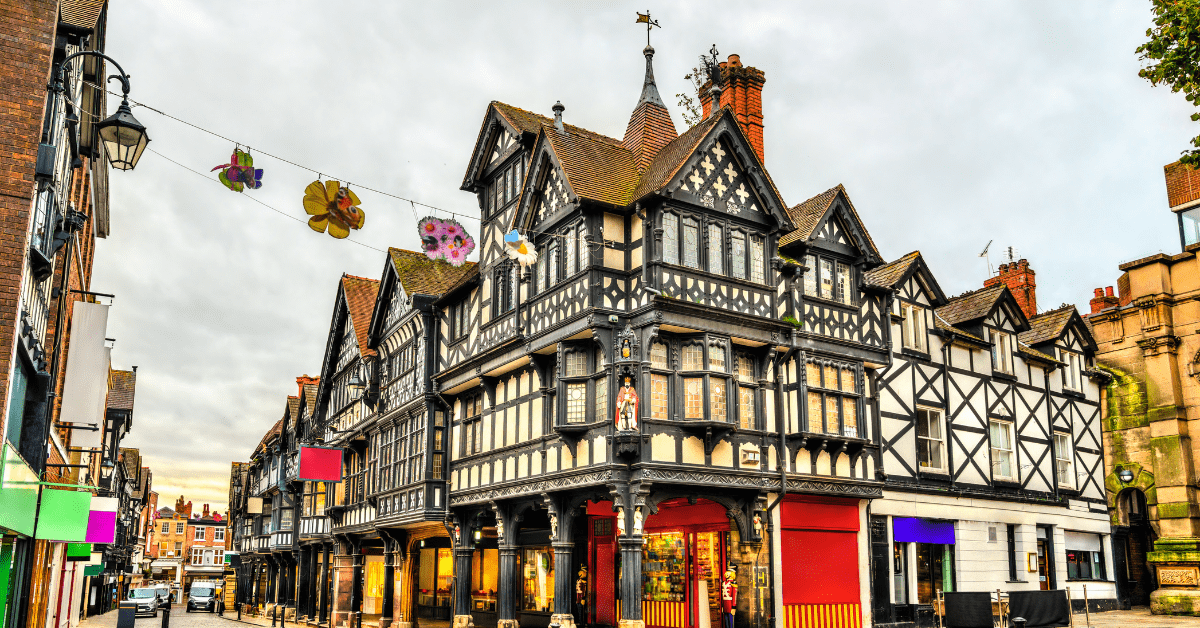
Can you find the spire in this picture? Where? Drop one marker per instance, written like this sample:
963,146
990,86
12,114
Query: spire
650,127
649,88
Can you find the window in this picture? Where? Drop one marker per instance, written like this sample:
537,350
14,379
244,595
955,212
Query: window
537,571
931,440
659,381
1012,552
1073,371
569,253
747,417
935,571
737,254
166,528
197,556
198,534
900,572
691,243
178,549
539,271
670,238
716,253
552,264
506,185
504,287
1085,556
1001,437
1001,352
458,319
912,328
601,398
219,534
285,519
1063,459
179,527
472,408
577,375
828,278
757,262
832,397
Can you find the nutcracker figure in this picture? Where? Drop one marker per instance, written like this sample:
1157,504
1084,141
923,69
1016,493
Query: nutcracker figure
729,590
627,408
581,595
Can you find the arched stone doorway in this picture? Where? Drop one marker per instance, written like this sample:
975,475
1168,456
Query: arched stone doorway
1133,537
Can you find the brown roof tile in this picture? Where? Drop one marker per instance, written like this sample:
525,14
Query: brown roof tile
890,273
293,410
970,306
595,170
360,299
1047,326
941,324
807,215
421,275
121,389
533,123
271,433
310,396
82,13
671,158
650,129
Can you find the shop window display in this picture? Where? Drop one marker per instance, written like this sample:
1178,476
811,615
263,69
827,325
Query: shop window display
664,568
484,569
537,571
435,579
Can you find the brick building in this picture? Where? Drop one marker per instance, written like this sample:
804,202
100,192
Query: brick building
188,545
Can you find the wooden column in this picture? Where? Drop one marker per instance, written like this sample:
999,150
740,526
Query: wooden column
463,554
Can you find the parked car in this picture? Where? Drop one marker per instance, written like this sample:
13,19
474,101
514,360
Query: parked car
203,597
146,599
164,594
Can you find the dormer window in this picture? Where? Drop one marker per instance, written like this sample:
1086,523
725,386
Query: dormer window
912,329
1073,371
1001,352
827,278
506,185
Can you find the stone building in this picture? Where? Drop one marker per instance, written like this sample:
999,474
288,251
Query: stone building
1147,340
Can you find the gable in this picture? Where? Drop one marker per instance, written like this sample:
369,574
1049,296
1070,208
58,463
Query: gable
718,182
839,231
504,143
545,192
811,217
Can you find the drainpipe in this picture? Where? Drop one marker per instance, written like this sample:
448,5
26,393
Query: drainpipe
783,462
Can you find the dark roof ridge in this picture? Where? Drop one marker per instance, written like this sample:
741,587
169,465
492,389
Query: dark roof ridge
549,123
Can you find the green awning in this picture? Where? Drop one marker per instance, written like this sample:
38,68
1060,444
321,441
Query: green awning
18,492
93,570
64,515
79,551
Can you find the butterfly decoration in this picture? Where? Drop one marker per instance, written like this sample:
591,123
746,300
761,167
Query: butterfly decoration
445,238
240,172
334,207
519,249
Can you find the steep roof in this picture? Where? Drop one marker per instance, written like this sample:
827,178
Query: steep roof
595,170
360,300
120,393
940,323
533,123
310,395
650,127
971,306
1047,326
293,410
807,216
670,159
889,274
421,275
132,459
271,433
81,13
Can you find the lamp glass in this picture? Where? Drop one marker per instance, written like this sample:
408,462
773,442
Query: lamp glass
123,137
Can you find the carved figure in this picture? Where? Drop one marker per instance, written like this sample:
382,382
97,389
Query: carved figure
621,520
500,529
457,534
758,527
581,584
627,408
729,589
638,520
553,526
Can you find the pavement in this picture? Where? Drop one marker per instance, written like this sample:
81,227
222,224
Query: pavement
1138,618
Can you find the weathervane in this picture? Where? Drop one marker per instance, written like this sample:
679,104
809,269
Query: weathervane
713,68
644,18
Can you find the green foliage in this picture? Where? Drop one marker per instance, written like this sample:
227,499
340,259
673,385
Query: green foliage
692,111
791,320
1172,56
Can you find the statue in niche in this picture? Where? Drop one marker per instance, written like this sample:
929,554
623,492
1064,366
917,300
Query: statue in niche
553,526
621,520
627,407
638,520
500,529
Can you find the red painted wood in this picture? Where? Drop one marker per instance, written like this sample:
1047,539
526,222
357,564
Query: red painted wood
821,567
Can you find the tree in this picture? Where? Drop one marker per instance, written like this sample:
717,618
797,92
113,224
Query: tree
1173,56
692,112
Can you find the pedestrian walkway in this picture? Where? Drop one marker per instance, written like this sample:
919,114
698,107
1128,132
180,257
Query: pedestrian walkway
1139,617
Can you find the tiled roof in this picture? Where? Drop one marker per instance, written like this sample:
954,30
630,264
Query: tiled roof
944,326
360,299
650,129
310,396
595,170
132,459
271,433
671,158
807,215
421,275
890,273
1047,326
1034,353
82,13
532,122
120,393
471,275
293,410
971,305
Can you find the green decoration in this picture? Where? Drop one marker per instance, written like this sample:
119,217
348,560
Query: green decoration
63,515
18,493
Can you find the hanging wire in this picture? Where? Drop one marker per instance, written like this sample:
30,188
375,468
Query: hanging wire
160,112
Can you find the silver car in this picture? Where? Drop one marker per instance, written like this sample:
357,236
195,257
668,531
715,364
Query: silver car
146,600
202,598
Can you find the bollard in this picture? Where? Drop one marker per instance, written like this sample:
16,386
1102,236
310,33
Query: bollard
1018,622
239,607
166,615
274,612
1087,614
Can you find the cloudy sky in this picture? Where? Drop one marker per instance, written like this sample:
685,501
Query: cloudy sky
950,124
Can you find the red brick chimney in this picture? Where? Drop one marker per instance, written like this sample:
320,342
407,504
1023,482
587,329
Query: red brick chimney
743,94
1103,300
305,380
1019,278
205,515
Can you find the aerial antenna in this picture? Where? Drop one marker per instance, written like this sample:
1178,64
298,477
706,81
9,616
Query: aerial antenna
984,254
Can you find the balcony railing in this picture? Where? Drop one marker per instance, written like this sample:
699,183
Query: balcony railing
281,539
314,526
263,543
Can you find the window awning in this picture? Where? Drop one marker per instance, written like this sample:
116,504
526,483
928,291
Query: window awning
918,530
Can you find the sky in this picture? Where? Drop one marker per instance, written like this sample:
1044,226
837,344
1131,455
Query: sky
1021,123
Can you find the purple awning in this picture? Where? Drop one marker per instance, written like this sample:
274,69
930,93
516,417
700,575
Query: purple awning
917,530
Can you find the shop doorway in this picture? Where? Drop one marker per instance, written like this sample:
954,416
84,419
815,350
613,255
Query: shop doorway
1131,541
435,574
683,560
1045,557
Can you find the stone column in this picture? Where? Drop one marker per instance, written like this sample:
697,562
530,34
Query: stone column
631,580
506,596
463,554
564,583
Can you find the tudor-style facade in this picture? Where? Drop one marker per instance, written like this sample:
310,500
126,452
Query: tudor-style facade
991,447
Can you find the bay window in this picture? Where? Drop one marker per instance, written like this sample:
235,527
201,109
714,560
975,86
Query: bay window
659,381
585,387
688,242
833,397
746,387
828,278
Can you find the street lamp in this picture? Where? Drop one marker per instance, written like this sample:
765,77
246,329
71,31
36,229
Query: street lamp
1125,475
124,138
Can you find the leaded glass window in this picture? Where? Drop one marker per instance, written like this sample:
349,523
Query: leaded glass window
658,355
716,388
757,263
737,254
658,396
691,243
601,398
693,357
577,402
810,275
716,357
671,238
716,255
576,364
693,391
569,253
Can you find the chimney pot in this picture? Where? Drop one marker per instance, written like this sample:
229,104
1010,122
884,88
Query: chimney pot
735,61
558,109
1099,292
1108,291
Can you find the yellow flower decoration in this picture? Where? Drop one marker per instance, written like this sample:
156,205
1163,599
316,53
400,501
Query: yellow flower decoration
333,206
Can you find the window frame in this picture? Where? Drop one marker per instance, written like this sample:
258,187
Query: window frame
199,533
472,424
911,338
588,380
825,393
1002,353
814,279
505,282
1059,460
1011,450
941,440
723,238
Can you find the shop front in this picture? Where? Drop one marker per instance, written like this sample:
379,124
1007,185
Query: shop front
818,566
435,577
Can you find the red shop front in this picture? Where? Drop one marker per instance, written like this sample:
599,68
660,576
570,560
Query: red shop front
819,560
